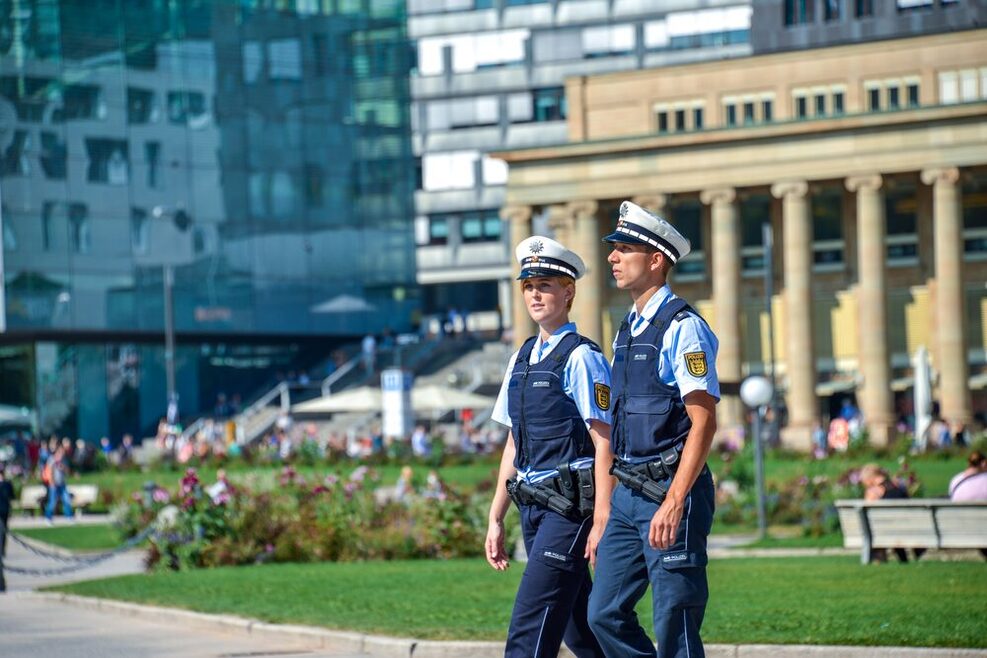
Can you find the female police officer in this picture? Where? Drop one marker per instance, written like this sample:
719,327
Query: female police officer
556,400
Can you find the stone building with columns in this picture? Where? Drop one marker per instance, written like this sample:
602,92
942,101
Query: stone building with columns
869,164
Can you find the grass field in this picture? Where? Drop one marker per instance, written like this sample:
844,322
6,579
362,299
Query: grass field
934,472
76,537
825,600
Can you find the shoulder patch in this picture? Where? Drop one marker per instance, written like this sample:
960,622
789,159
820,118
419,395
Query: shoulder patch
602,392
696,363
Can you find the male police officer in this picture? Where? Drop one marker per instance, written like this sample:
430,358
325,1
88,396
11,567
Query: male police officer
664,391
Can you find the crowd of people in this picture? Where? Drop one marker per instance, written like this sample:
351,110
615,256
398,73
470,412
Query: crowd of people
51,462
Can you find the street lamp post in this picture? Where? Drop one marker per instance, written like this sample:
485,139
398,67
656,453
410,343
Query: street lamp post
181,221
169,321
756,392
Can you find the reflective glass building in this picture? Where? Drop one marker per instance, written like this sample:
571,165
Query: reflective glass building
258,149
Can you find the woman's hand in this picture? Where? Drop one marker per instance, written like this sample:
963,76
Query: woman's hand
496,555
593,540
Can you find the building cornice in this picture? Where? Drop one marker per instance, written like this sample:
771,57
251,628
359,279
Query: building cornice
745,134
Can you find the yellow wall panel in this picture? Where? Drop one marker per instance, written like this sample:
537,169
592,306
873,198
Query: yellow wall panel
845,325
918,319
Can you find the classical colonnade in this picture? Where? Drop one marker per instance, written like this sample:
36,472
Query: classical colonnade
578,225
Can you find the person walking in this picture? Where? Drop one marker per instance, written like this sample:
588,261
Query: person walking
58,490
556,399
665,391
6,501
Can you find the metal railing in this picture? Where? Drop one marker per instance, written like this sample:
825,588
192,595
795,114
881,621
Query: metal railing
282,390
338,374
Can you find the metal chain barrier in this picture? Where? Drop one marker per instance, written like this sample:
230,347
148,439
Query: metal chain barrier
74,562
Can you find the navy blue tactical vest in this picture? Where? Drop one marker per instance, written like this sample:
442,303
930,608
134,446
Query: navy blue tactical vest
648,415
547,426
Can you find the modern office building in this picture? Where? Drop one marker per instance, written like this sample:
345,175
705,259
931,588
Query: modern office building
797,24
259,152
490,75
869,164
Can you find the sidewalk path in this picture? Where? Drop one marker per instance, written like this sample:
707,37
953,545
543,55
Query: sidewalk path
33,627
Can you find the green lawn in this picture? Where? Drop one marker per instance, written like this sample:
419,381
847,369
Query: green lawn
76,537
122,484
934,472
825,600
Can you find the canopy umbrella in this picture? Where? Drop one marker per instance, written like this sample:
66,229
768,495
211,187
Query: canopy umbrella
442,398
343,304
362,399
423,398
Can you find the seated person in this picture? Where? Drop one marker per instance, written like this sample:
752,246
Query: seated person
879,485
971,483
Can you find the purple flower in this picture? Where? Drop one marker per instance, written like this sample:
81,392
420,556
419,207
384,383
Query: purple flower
358,474
161,495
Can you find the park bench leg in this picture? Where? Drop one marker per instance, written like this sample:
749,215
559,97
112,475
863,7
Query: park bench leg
866,550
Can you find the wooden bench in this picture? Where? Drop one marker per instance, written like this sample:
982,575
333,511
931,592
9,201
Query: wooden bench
912,523
33,496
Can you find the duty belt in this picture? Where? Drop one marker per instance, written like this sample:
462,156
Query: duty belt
649,478
570,493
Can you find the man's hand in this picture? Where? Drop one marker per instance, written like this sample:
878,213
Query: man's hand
496,555
665,523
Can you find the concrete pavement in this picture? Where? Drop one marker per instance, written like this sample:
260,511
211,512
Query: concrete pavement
33,627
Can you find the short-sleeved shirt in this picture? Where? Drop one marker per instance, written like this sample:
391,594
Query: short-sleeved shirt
584,369
689,335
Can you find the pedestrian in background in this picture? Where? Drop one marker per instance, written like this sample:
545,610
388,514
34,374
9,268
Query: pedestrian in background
59,490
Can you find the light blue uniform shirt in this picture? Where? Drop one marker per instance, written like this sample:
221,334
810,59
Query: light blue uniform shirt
686,336
584,369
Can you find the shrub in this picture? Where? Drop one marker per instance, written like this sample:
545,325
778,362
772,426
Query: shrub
304,520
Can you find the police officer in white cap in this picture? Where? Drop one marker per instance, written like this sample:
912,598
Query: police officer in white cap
556,400
665,392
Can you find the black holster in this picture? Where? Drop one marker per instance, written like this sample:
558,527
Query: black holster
652,478
570,493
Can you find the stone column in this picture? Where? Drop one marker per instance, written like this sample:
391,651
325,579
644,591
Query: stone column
872,308
947,218
519,221
587,311
800,360
656,203
726,295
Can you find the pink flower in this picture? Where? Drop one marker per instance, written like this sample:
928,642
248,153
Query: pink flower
161,495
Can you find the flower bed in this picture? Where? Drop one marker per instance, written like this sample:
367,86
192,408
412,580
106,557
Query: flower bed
304,519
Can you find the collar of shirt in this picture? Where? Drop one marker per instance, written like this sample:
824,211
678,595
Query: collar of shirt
637,322
537,353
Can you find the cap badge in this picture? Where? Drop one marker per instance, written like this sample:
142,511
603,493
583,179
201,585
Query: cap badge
536,247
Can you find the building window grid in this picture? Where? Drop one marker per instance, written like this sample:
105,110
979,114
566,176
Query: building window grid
892,94
678,117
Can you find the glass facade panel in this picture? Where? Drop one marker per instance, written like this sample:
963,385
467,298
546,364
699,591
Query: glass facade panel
220,115
262,151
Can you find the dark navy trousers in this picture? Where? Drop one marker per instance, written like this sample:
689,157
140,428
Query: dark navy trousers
626,564
555,587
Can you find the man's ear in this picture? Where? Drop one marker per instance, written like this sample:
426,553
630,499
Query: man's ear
657,259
